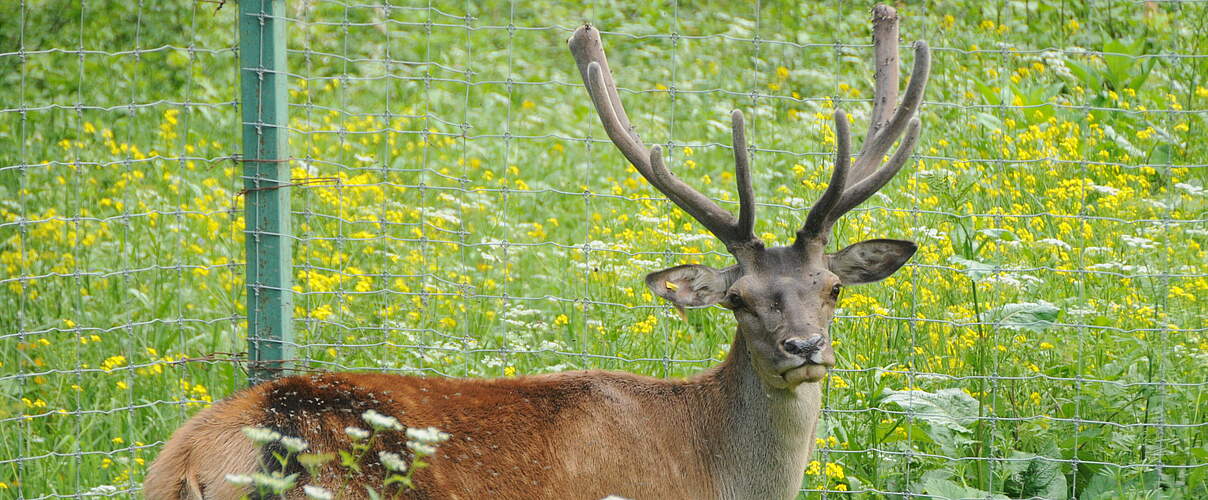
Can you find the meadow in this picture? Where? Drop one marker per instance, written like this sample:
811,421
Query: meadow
458,211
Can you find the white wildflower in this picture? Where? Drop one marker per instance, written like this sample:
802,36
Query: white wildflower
392,461
1192,189
1137,242
317,493
239,479
294,444
421,448
356,433
431,435
261,435
1054,242
104,490
379,421
275,483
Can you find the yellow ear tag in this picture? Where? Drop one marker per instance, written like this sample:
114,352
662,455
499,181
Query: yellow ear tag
673,287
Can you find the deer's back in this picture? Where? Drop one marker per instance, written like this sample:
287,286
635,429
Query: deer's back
568,435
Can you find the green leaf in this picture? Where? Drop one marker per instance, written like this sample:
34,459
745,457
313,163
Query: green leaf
1030,476
998,234
1031,316
988,120
349,461
1088,76
973,269
1143,74
1112,483
1160,154
988,93
947,413
311,460
948,489
1119,61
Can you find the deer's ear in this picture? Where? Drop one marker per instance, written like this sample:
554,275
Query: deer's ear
869,261
692,285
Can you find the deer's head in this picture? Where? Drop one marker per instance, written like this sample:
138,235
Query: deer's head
783,297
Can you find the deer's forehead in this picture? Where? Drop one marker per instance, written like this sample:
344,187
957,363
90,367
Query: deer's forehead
797,278
787,262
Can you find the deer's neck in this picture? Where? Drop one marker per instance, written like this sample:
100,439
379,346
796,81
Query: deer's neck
767,434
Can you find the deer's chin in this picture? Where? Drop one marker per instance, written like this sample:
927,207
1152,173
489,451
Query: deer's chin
808,372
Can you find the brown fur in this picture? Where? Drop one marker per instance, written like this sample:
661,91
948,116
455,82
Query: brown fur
574,435
194,463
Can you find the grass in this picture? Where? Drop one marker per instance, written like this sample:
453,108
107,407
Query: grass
463,215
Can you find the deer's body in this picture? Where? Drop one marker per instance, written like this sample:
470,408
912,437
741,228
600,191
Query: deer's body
741,430
574,435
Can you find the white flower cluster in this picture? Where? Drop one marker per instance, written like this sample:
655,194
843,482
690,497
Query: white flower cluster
430,435
273,482
1054,60
239,479
293,444
423,441
261,435
356,433
392,461
317,493
421,448
381,422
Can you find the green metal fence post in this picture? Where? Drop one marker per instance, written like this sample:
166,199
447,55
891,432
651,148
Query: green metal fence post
266,180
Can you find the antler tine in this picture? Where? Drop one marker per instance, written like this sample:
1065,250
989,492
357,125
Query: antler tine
868,177
816,222
888,123
588,51
865,188
742,175
885,57
870,157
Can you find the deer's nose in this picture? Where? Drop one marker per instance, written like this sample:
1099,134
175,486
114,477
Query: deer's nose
804,346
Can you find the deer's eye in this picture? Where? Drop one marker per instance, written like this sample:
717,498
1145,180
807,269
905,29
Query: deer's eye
734,301
835,290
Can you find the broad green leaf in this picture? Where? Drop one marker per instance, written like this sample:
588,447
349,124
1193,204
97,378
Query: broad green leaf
973,269
998,234
1142,74
950,490
988,93
1087,75
1160,154
1032,316
947,413
1031,476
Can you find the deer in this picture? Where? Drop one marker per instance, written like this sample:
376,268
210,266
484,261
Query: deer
742,429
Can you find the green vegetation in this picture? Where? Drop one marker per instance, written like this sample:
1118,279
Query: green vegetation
459,212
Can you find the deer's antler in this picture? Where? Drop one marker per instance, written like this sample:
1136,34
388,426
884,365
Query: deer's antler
847,189
588,51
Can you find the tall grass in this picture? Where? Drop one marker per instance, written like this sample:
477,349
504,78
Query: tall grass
461,213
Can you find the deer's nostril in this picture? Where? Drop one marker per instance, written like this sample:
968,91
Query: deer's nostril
800,346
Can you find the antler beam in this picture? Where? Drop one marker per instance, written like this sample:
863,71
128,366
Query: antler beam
887,125
588,51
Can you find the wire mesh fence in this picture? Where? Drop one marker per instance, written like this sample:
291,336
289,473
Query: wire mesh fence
458,211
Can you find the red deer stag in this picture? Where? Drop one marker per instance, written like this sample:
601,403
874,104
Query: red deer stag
743,429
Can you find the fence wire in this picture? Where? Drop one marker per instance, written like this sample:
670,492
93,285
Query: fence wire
457,211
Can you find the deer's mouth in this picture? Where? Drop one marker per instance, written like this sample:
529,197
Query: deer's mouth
817,362
808,372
